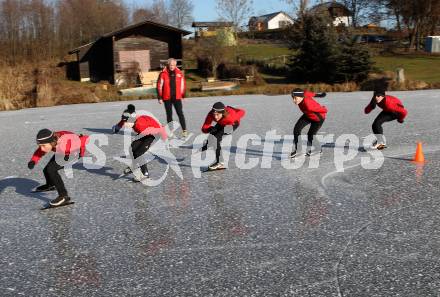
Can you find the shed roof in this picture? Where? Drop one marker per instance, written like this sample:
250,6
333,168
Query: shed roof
158,29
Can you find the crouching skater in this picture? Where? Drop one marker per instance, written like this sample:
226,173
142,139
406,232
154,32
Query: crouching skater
392,109
62,143
313,114
147,129
222,116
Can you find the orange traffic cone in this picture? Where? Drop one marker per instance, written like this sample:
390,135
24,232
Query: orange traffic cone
419,157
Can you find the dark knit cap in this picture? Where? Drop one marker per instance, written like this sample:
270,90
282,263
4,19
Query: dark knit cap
379,92
131,108
298,93
45,136
128,112
218,107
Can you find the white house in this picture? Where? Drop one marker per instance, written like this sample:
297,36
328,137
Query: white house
270,21
340,14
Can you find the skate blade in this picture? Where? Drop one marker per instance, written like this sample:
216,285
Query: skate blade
218,169
146,179
42,191
313,154
122,175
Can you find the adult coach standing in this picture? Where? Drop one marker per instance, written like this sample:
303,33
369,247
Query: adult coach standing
171,88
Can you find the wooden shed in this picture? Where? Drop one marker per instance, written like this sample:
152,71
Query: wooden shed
135,52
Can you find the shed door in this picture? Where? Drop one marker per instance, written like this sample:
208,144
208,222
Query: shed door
84,71
140,56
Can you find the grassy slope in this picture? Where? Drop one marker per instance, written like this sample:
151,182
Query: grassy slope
263,51
417,67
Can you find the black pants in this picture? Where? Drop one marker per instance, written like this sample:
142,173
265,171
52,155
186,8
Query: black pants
218,133
382,118
53,178
300,124
140,147
179,109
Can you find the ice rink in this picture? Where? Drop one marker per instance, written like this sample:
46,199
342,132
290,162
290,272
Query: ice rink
270,231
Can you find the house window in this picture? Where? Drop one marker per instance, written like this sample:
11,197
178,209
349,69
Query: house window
283,24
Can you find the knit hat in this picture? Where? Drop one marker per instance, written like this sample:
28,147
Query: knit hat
45,136
131,108
297,93
218,107
130,112
379,92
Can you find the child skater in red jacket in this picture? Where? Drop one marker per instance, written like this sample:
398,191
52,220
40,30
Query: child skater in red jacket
313,114
63,143
392,109
147,129
221,116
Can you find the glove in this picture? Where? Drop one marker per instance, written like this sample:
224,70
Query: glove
212,130
31,165
321,95
400,121
115,129
66,158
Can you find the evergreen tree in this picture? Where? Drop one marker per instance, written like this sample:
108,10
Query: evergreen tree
354,62
321,56
316,42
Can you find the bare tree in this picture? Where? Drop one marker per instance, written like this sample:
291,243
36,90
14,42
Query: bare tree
235,11
182,13
358,9
300,6
118,11
396,6
11,18
84,21
143,14
161,10
40,29
419,17
212,50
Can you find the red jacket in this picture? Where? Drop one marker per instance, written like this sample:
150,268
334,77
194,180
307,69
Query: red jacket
146,125
163,85
312,109
65,145
233,116
388,104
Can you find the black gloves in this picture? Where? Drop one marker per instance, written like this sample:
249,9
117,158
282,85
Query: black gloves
212,130
320,95
31,165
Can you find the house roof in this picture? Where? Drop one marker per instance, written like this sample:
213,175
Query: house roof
330,5
268,17
131,29
212,24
